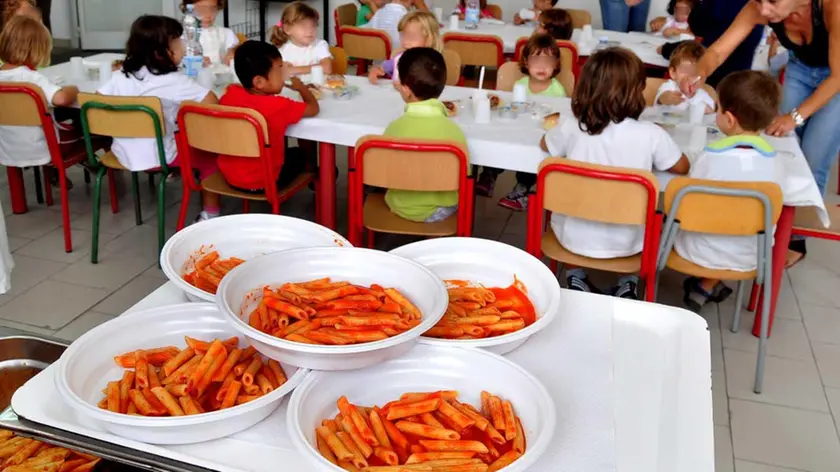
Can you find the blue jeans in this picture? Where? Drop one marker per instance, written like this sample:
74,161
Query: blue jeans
617,16
819,138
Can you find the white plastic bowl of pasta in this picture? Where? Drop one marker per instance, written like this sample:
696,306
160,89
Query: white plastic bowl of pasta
241,291
88,365
243,236
426,368
489,264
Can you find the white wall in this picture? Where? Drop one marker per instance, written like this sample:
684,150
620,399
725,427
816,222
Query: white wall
61,20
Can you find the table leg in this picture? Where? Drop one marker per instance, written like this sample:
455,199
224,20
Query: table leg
17,190
780,247
326,176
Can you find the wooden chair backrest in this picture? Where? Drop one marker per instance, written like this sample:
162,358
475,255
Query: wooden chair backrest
652,86
232,134
453,66
123,123
476,49
20,108
597,199
241,37
579,17
346,14
720,214
365,43
510,72
410,170
495,10
339,60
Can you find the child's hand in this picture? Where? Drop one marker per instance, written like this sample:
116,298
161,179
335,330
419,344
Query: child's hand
228,58
656,24
296,84
517,20
671,32
207,61
375,73
671,98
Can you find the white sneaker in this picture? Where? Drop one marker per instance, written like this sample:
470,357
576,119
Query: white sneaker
204,216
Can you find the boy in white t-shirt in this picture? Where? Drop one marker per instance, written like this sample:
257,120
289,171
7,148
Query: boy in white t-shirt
217,42
749,101
388,19
609,99
683,64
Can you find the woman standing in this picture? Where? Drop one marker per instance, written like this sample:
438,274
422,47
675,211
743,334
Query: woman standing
625,15
810,30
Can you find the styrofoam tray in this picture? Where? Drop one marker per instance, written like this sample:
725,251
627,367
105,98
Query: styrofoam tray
492,264
243,236
425,368
88,365
654,359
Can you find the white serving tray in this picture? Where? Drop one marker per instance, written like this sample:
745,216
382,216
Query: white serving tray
631,382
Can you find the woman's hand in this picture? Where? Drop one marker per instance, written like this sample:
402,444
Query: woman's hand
781,126
632,3
689,84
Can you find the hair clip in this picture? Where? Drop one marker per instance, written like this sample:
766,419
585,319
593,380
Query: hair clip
280,24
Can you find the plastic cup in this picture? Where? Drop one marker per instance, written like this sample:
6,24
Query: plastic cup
77,65
696,113
105,71
482,111
520,93
439,14
453,22
316,75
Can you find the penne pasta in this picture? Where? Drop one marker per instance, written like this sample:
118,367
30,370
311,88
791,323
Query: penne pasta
510,420
422,457
496,413
357,459
336,446
505,460
168,401
426,431
208,270
113,397
434,445
180,359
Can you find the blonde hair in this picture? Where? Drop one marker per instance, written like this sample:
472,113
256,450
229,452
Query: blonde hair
292,14
25,42
428,24
11,8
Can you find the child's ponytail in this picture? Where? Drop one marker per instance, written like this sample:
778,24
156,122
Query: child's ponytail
293,13
278,36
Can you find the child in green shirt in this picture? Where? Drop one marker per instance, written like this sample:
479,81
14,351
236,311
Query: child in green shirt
367,9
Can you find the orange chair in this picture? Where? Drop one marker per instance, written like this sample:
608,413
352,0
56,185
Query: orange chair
344,15
453,67
652,86
24,104
495,10
580,18
568,56
339,60
407,165
599,193
230,131
364,44
476,49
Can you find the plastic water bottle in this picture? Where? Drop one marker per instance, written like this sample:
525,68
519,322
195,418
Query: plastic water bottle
193,55
471,14
603,43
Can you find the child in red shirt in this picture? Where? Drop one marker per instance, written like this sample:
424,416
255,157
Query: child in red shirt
259,66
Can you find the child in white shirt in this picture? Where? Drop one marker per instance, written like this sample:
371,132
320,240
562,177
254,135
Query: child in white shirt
25,45
677,20
609,99
683,64
749,101
531,14
151,69
296,36
217,42
388,19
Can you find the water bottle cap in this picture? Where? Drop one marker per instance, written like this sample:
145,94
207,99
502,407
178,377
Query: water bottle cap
190,8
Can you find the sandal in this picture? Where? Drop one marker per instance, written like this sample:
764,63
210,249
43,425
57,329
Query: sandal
695,297
796,252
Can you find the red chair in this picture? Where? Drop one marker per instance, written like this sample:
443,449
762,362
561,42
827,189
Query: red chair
231,131
404,164
24,104
604,194
364,45
476,49
569,56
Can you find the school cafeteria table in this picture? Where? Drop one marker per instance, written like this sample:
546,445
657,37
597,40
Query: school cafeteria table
631,384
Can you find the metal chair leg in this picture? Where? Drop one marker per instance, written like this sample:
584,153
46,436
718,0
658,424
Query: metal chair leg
161,217
739,301
87,176
135,191
39,192
97,197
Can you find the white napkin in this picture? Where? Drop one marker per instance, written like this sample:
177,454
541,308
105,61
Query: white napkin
492,21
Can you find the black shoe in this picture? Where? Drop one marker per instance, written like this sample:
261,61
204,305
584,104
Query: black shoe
581,284
54,179
718,294
629,290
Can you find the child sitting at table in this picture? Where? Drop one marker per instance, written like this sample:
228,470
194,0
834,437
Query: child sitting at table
749,101
609,98
25,44
153,53
423,77
417,29
677,21
260,69
296,35
217,42
461,9
367,9
12,8
388,19
529,14
683,64
540,61
556,23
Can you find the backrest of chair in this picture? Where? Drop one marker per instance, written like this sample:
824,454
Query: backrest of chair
651,86
411,164
22,104
733,215
223,130
495,10
241,37
365,43
599,193
122,117
507,76
453,67
579,17
346,14
339,60
476,49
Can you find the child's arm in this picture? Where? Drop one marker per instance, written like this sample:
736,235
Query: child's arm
657,23
672,97
66,96
517,20
682,166
312,107
210,98
543,145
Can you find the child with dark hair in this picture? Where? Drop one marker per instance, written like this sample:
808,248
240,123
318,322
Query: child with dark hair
529,14
217,42
677,21
153,53
608,100
422,79
556,23
260,69
749,101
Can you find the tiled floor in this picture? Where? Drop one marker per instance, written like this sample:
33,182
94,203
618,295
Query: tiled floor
792,426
